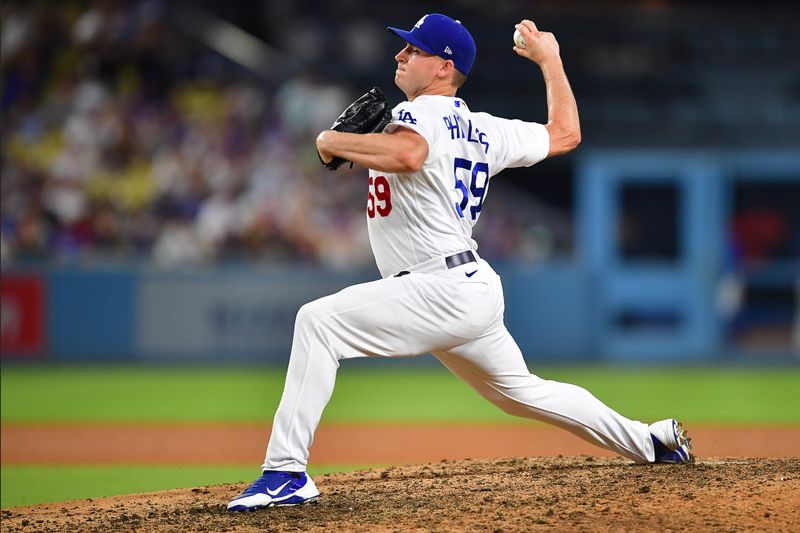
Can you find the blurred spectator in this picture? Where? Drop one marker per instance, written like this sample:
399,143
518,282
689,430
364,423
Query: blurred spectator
761,234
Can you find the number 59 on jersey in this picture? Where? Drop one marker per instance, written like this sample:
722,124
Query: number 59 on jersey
379,197
477,175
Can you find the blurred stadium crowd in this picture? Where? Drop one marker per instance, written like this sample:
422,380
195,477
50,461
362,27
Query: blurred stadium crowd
128,137
124,141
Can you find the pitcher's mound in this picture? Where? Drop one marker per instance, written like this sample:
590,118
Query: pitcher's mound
565,493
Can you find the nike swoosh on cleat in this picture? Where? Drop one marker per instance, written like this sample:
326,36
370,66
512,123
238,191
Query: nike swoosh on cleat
470,274
277,491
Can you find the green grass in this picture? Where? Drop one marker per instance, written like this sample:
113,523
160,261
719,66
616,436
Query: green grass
33,484
388,394
393,393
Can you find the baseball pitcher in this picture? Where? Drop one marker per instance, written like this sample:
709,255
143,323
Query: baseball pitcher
431,161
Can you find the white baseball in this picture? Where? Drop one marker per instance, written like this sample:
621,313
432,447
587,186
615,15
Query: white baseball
519,40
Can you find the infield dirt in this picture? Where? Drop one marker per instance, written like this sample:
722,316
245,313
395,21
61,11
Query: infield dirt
530,494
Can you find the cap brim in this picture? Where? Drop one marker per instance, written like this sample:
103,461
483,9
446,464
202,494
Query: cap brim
409,37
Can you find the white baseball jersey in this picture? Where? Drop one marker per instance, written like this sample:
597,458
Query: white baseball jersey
414,217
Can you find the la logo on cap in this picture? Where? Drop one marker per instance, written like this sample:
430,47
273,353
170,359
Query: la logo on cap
420,21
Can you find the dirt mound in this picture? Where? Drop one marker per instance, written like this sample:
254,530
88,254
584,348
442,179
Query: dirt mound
565,493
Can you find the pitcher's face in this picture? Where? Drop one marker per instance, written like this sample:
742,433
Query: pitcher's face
416,70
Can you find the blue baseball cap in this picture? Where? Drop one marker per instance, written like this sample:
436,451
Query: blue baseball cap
444,37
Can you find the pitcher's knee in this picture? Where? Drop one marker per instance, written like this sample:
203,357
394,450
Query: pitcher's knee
315,336
308,316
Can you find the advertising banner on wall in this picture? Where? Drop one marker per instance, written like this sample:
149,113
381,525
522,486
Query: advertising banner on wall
22,316
225,316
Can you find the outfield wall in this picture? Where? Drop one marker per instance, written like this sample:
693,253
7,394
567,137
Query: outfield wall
240,314
244,315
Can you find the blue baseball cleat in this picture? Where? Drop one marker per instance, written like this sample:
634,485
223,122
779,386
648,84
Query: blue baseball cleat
276,488
671,443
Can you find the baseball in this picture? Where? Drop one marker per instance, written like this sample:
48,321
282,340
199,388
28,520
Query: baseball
519,40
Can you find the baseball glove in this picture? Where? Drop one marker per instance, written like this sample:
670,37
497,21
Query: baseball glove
368,114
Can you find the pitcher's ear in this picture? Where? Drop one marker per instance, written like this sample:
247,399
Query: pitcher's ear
447,67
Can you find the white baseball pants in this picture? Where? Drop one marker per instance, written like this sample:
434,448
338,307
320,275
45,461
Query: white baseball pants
459,320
